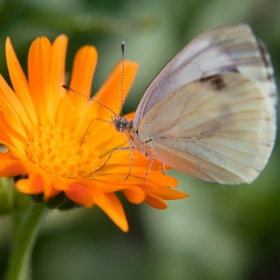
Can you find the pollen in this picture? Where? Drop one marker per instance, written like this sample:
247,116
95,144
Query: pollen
61,153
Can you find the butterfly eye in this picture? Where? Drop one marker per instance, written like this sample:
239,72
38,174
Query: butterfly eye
122,124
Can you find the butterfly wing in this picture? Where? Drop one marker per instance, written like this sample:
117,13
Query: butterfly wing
232,48
219,129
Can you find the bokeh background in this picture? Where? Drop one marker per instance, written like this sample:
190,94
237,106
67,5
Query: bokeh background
219,232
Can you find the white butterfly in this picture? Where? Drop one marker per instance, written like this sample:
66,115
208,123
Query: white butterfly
210,112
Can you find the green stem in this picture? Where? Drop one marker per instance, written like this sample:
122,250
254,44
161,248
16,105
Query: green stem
23,243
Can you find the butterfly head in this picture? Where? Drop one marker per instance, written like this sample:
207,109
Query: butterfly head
122,124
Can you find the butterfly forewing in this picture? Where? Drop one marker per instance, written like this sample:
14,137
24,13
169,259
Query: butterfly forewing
232,49
219,129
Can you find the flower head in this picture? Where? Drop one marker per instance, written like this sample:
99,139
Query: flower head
58,140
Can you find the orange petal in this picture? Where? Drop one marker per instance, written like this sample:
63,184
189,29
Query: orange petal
10,100
168,193
110,139
32,185
57,73
19,81
9,114
82,73
49,188
79,194
165,180
109,185
66,109
112,206
155,202
110,93
10,137
134,195
39,67
9,166
129,116
44,180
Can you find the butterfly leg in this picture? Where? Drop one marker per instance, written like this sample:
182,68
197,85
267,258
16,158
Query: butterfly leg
131,145
149,168
110,155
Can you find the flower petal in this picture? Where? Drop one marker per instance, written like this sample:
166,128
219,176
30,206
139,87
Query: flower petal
10,137
39,68
12,109
57,75
130,116
155,202
167,193
79,194
109,185
82,74
134,195
19,82
112,206
110,93
32,185
10,167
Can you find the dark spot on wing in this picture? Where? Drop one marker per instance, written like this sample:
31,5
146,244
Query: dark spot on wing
206,79
265,59
216,81
269,76
263,54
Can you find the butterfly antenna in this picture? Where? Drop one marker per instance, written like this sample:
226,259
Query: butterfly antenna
89,98
122,77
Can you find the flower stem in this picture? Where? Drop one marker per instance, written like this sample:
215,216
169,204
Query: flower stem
23,243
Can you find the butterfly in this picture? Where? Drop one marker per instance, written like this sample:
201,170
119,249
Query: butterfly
210,112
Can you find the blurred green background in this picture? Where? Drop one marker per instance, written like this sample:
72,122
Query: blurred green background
219,232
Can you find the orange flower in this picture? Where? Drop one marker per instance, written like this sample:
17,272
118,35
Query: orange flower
58,140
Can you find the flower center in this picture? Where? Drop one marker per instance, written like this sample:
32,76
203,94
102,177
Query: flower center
62,153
